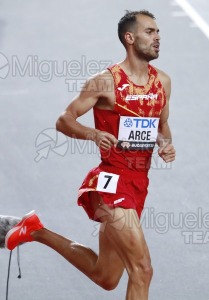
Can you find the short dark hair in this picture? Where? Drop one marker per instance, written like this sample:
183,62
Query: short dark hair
128,21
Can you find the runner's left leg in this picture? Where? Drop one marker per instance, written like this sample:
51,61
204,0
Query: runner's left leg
104,269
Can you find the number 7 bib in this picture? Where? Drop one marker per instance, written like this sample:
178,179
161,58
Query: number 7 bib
107,182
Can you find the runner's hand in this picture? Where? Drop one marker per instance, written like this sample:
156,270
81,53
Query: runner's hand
105,140
167,153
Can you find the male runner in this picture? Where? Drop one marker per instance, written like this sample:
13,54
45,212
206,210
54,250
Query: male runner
129,101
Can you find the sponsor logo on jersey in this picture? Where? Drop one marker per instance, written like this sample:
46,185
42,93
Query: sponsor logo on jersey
125,85
142,97
119,200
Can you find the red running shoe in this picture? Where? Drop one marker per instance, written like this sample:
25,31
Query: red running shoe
21,233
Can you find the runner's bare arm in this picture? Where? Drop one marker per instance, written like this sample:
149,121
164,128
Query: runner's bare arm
86,100
164,132
166,150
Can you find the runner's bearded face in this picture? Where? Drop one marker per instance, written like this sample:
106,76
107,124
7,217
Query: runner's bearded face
146,38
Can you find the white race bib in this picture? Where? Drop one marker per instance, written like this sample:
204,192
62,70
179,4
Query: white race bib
107,182
137,133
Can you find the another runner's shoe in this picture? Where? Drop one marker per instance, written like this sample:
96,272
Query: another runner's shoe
21,233
6,224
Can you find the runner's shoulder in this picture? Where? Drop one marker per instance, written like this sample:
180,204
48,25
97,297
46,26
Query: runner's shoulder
100,82
166,82
164,77
105,76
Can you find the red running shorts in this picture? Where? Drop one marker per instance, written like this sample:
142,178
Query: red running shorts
118,187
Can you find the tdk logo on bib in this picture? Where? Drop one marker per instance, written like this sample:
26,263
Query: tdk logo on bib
142,123
145,123
128,123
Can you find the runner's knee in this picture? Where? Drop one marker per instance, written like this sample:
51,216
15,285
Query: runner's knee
107,283
141,272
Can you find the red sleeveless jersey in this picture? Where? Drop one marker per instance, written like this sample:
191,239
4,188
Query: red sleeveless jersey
131,101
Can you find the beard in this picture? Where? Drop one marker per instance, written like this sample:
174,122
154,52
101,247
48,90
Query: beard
146,53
